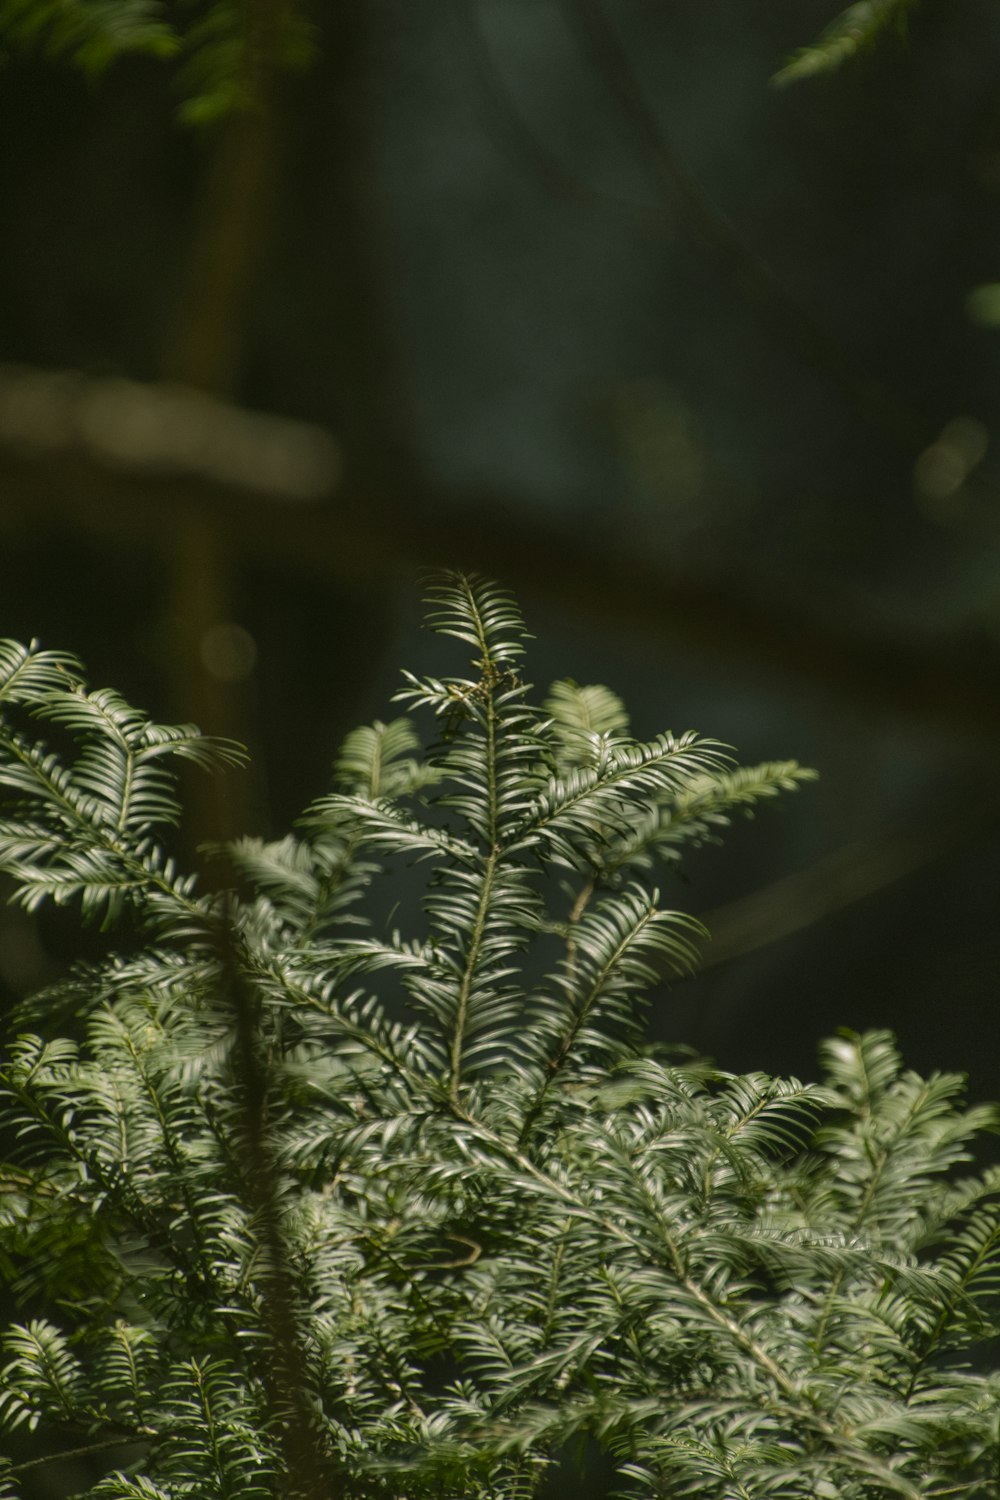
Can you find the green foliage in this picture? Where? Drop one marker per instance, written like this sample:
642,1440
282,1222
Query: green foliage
87,830
223,47
854,30
89,33
299,1204
228,47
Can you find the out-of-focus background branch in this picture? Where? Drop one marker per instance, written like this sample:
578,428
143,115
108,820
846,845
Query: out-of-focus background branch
298,302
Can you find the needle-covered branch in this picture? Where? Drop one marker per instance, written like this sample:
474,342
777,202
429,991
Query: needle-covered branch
369,1185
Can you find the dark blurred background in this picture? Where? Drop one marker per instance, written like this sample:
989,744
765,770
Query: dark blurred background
706,370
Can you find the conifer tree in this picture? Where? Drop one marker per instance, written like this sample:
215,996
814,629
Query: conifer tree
296,1203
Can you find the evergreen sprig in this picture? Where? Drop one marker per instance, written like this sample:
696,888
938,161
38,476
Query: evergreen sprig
89,33
294,1205
221,46
853,31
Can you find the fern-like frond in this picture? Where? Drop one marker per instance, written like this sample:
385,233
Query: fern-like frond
125,1370
119,765
584,722
970,1271
309,886
709,801
28,674
384,827
861,1067
696,814
875,1149
478,612
617,949
41,1376
214,1428
119,1486
7,1480
595,804
376,761
83,828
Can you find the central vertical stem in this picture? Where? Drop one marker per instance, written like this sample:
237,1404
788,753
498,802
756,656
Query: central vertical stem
461,1016
486,889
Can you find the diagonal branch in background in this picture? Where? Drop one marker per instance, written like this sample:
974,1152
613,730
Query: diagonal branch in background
841,878
172,430
749,275
528,147
204,346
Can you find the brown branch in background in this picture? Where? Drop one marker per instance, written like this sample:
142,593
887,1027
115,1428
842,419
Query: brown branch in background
946,682
204,352
204,346
231,233
749,274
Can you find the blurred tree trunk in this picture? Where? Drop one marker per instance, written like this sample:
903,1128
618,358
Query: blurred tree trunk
207,348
